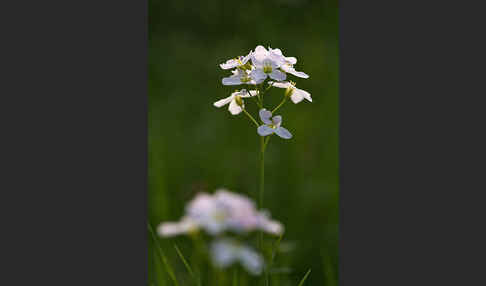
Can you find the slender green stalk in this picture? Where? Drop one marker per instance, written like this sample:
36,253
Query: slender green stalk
235,276
162,256
188,267
262,172
305,277
251,117
280,105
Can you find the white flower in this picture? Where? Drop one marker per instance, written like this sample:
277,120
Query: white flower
240,76
186,225
225,252
266,63
236,62
272,126
296,94
288,65
236,103
223,211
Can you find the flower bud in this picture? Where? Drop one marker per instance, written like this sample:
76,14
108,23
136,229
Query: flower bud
289,91
238,100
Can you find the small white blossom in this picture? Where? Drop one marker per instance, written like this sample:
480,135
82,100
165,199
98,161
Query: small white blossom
266,63
223,211
240,76
236,103
236,62
272,126
296,94
288,65
225,252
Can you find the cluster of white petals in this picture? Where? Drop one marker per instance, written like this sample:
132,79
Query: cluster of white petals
221,212
236,104
255,68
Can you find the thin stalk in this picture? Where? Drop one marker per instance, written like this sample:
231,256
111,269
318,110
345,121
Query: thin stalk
280,105
251,117
162,256
235,276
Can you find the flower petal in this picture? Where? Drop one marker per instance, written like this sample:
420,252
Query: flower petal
253,92
232,80
258,75
299,74
223,253
291,60
284,84
229,64
296,96
277,75
234,108
282,132
265,116
304,94
277,120
223,101
251,260
265,130
168,229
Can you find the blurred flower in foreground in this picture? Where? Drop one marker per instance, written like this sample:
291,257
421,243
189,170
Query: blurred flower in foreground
225,252
296,94
272,126
220,212
235,100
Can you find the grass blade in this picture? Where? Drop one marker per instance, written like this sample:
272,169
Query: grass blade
162,256
186,264
272,257
305,277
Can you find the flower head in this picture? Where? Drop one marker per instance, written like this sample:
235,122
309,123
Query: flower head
220,212
272,125
266,63
236,62
296,94
236,103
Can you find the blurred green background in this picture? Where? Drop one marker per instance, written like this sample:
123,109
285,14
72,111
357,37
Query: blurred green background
194,146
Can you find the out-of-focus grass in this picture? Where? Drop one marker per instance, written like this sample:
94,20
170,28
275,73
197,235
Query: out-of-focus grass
194,146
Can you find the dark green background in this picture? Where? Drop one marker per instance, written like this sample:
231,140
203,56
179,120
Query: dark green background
194,146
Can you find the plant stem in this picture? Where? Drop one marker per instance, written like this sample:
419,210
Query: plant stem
162,256
262,171
251,117
281,103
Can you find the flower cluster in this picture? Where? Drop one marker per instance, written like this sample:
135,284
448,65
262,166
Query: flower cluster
253,69
229,218
219,215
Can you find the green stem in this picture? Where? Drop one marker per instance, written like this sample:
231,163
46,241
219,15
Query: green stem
280,105
251,117
262,171
162,256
